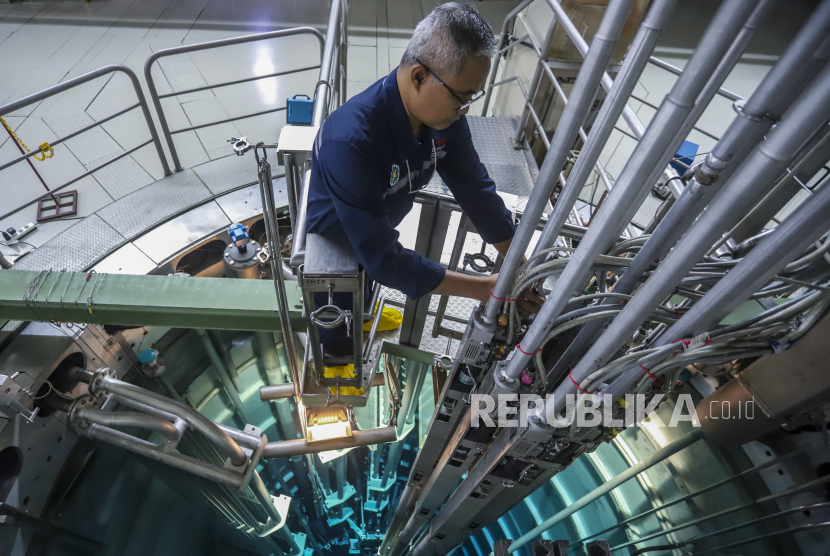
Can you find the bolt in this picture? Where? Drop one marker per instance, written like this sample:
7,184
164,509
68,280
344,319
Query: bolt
253,258
230,245
227,254
231,263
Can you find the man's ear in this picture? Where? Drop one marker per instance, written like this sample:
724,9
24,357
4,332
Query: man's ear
417,76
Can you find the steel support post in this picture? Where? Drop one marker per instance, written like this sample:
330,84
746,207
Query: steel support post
584,90
432,231
323,90
753,180
269,214
630,188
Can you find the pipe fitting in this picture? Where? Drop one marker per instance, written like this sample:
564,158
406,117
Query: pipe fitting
704,178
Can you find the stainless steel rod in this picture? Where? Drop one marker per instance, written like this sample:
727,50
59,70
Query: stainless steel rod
174,459
635,61
677,71
118,419
631,186
582,95
208,428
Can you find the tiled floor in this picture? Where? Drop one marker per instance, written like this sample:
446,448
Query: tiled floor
45,42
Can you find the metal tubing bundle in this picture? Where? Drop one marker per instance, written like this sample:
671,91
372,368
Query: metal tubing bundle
627,317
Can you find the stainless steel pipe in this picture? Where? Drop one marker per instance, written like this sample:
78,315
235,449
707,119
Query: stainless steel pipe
174,459
630,187
644,464
786,242
118,419
224,443
808,113
775,93
301,446
582,95
632,68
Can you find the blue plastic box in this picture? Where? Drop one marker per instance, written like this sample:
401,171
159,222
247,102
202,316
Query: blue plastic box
685,157
299,110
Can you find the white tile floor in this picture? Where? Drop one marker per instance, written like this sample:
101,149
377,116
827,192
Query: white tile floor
45,42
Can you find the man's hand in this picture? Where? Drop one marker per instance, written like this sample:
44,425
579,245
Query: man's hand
479,287
528,302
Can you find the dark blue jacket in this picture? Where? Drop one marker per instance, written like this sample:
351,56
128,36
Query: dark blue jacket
363,160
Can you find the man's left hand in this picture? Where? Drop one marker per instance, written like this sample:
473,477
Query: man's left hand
529,302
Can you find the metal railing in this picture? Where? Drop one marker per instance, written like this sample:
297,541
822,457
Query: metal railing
148,74
677,71
331,88
65,86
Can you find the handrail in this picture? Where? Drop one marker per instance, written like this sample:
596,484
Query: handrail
65,86
148,67
336,38
560,17
677,71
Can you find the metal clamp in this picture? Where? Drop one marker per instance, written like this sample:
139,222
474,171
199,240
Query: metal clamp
240,145
341,317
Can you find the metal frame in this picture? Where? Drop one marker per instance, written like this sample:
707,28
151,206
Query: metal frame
155,56
66,85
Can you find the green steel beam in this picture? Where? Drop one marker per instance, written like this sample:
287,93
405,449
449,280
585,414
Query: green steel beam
127,299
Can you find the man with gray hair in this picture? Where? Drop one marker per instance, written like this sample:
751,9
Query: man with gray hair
374,153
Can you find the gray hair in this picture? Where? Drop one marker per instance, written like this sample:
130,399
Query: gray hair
448,36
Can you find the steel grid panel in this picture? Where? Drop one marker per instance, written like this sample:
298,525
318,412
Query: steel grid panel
181,73
123,177
439,345
507,166
92,147
231,171
58,65
213,138
74,249
138,211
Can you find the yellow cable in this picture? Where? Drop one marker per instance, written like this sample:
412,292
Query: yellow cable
46,150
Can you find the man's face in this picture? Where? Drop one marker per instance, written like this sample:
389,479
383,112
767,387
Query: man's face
437,105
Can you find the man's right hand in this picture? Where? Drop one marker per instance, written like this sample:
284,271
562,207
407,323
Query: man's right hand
480,288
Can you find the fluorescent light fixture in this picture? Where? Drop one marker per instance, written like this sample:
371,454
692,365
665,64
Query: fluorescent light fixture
328,431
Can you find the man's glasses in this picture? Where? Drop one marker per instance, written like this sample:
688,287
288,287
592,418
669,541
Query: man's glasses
464,103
